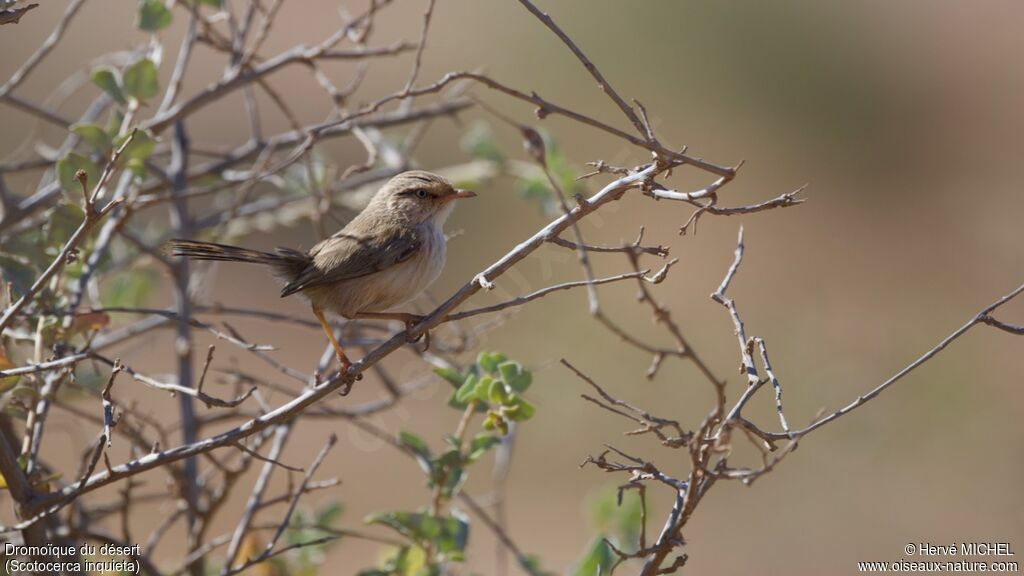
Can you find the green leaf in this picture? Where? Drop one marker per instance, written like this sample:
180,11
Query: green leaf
519,410
214,3
610,515
449,469
329,514
153,16
496,392
68,166
461,405
474,388
140,80
480,445
480,143
61,222
451,459
114,122
482,391
534,187
597,561
495,421
136,153
456,534
467,391
419,449
109,80
94,136
488,361
141,146
517,377
413,561
129,288
451,375
531,564
448,535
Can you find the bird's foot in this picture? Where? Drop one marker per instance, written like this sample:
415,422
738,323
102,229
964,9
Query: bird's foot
410,321
345,365
347,379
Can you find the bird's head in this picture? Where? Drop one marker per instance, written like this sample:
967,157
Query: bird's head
418,197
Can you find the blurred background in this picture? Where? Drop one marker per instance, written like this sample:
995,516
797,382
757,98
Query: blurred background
905,119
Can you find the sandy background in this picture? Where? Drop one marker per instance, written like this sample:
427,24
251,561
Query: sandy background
905,119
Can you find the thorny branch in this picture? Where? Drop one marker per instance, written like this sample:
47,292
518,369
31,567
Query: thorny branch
709,446
190,183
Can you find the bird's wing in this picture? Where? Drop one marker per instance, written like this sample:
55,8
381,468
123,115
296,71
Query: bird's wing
345,256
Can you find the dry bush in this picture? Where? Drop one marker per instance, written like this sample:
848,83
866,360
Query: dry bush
78,252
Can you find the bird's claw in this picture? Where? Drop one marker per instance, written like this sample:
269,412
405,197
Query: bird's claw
425,336
347,379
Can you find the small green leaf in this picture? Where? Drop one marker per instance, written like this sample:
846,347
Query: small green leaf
214,3
114,122
129,288
451,459
153,15
419,449
453,473
461,405
456,534
480,445
329,514
597,561
488,361
140,80
517,377
94,136
61,222
531,564
69,165
496,393
482,391
479,141
141,146
466,392
109,80
447,534
519,410
534,187
451,375
136,153
495,421
614,516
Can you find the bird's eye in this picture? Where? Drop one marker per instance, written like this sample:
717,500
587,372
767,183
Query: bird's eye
420,193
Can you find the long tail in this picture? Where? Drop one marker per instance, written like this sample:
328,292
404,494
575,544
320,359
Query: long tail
285,262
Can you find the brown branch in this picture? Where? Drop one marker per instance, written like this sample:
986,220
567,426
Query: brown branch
627,110
979,318
13,16
519,301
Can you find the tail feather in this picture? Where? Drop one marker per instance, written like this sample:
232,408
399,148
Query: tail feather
286,263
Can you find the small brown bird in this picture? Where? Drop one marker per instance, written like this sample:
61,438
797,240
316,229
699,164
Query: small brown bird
386,256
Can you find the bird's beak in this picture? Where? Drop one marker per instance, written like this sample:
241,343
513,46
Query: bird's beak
459,193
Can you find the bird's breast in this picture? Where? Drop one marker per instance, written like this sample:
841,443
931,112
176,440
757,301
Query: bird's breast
402,282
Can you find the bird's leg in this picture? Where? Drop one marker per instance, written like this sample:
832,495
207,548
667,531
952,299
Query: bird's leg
342,358
408,319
